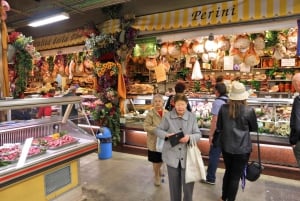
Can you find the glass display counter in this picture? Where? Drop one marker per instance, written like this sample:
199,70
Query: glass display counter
273,116
42,153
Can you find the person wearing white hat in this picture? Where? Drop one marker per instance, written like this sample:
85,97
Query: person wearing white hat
235,121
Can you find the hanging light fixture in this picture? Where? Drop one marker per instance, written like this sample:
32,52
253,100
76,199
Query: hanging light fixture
50,20
197,74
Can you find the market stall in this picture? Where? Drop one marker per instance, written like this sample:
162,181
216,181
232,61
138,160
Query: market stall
40,157
255,46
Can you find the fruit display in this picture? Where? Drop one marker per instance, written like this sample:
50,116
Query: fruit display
56,140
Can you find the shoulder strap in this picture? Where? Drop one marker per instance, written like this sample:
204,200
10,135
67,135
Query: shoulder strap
223,99
258,149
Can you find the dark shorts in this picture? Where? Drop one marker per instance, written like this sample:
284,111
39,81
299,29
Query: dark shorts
154,157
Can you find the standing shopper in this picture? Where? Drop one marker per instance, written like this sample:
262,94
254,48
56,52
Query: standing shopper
295,120
179,88
179,119
152,120
215,151
235,121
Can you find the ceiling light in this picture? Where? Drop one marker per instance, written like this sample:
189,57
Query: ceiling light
49,20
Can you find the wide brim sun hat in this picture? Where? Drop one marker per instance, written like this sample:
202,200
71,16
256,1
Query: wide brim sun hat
238,91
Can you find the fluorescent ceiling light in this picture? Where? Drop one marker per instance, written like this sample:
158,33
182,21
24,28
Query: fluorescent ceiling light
50,20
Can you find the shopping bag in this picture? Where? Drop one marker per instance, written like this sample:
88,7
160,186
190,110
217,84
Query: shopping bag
194,168
159,144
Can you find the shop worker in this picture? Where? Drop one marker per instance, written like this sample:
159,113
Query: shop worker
46,111
179,88
295,119
152,120
215,151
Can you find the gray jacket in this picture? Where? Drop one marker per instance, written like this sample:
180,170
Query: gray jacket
171,123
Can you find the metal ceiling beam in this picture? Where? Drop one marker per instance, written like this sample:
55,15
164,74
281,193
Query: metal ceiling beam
20,12
68,7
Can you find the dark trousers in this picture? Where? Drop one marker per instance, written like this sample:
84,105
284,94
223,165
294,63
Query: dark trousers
234,166
214,157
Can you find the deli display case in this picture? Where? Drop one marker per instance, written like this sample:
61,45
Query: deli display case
273,116
39,158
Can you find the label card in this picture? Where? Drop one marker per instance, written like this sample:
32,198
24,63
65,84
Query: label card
288,62
24,152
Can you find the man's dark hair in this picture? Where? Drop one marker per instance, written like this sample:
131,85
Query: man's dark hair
221,88
179,87
181,97
220,78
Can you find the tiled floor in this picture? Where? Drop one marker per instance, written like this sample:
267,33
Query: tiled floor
127,177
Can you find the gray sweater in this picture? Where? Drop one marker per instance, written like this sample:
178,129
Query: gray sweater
172,123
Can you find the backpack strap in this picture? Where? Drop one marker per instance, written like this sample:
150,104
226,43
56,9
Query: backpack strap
223,99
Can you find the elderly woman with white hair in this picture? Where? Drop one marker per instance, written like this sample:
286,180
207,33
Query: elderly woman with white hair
152,120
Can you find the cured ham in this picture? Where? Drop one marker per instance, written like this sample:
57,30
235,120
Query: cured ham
251,58
242,42
223,43
174,50
259,42
237,56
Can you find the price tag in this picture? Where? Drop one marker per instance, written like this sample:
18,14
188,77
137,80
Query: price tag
288,62
228,63
160,73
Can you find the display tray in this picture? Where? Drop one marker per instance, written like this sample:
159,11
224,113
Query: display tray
64,145
42,151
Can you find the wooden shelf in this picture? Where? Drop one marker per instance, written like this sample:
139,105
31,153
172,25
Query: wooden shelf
278,80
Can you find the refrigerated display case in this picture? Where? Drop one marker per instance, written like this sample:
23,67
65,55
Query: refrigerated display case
273,120
43,162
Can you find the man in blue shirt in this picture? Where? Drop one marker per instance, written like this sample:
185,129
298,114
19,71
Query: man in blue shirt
215,152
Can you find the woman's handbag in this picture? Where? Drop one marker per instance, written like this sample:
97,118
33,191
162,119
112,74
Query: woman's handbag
194,167
254,168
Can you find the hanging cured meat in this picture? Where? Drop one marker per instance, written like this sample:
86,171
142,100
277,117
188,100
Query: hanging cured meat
223,43
205,58
220,59
151,63
279,51
164,49
282,38
292,39
259,42
237,56
174,50
291,44
198,47
184,48
242,42
251,58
